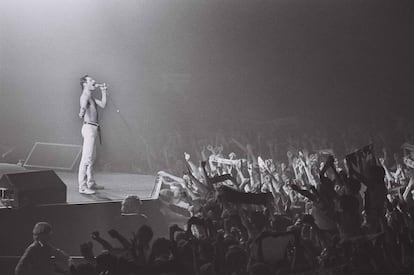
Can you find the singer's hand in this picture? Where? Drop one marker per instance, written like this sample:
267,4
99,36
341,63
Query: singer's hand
102,87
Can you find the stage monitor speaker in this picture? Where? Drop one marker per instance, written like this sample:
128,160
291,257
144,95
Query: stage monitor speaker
32,188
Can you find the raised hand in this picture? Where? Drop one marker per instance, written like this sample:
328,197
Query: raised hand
186,156
103,87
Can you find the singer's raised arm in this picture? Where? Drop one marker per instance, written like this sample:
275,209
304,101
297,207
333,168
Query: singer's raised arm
102,102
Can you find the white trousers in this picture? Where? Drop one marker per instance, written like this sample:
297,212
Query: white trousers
90,137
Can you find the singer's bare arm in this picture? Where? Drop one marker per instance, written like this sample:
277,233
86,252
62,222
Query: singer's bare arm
84,99
102,102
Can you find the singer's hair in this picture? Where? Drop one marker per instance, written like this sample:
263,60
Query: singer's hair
83,80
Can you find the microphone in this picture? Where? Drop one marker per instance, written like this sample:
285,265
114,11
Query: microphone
101,85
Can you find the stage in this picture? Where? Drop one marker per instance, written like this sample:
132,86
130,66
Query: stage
74,221
117,186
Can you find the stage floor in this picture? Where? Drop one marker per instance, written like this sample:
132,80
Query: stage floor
117,187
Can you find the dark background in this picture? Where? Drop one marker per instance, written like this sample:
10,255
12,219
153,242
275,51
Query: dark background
179,65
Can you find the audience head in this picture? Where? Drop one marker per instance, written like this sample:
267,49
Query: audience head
145,234
42,232
161,249
130,205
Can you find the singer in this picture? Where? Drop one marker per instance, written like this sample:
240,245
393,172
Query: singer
90,132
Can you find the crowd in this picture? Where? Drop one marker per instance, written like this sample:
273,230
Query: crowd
293,206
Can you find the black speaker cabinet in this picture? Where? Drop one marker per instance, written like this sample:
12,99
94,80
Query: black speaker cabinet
33,188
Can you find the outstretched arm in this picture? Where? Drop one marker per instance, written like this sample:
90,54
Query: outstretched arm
243,180
408,189
191,166
388,175
116,235
105,244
